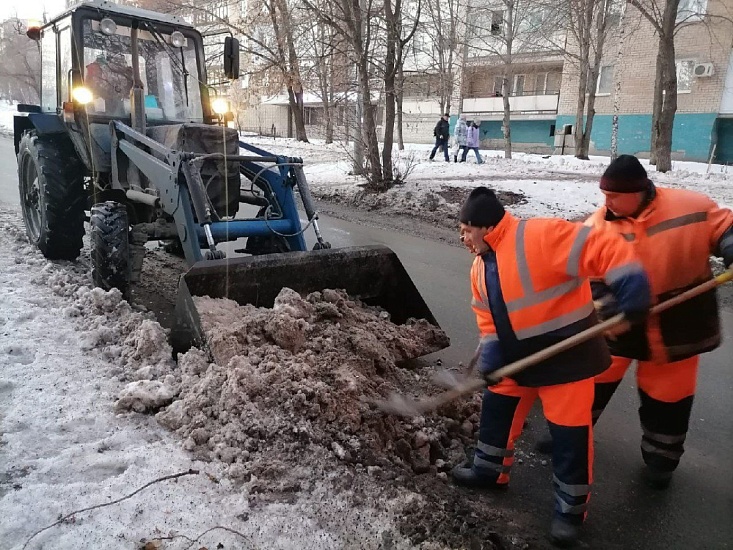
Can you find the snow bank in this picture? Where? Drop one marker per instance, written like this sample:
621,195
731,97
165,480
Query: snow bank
544,185
67,352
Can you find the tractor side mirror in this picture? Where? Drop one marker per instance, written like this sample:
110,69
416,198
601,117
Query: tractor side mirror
231,58
33,30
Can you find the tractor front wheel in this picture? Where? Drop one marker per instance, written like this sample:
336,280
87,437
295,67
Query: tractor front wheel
52,196
110,239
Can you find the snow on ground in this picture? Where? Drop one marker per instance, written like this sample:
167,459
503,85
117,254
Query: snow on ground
545,185
65,352
7,112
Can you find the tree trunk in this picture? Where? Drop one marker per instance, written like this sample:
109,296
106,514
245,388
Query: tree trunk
617,87
657,104
580,108
585,19
668,109
399,95
400,136
601,18
369,130
390,74
506,121
295,99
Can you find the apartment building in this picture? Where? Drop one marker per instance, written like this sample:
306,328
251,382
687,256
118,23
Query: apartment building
703,126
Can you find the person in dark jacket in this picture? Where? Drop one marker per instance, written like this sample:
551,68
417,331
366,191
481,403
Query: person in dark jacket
442,134
530,290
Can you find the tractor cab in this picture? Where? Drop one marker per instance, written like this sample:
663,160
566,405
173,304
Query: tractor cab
104,62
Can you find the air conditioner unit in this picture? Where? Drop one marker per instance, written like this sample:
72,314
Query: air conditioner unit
703,70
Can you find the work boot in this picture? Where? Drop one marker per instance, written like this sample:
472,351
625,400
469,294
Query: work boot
562,533
656,479
544,445
466,476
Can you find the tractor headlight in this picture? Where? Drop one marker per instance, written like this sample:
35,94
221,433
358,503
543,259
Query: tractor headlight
220,106
82,95
107,26
177,39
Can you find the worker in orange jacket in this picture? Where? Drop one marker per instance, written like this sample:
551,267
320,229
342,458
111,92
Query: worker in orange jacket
530,290
674,232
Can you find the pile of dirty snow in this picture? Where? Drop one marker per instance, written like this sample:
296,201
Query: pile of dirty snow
298,379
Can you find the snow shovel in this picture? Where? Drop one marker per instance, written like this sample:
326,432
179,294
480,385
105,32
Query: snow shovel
401,405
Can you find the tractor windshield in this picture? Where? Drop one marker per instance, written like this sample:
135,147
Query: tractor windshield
169,74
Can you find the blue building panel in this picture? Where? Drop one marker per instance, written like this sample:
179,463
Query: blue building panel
692,135
523,131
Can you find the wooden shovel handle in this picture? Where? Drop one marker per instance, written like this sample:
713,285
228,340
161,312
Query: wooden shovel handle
473,385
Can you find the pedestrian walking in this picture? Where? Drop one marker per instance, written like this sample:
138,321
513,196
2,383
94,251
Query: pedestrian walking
674,231
460,133
441,133
530,290
472,142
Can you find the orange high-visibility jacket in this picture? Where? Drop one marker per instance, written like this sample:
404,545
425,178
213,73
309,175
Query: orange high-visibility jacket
674,236
543,267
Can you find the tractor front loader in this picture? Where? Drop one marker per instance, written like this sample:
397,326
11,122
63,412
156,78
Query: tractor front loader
128,130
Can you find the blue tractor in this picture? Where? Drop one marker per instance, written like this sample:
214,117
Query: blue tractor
129,138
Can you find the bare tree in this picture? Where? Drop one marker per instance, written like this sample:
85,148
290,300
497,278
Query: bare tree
662,14
440,54
588,24
396,43
21,63
321,66
270,35
509,31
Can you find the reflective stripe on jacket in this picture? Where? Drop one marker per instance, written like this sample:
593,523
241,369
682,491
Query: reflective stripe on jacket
540,294
674,236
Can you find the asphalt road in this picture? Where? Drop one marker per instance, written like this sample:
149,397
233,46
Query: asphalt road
696,512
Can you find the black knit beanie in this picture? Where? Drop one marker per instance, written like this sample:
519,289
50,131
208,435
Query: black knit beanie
625,175
481,209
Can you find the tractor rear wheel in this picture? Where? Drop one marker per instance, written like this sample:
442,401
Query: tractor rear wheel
110,236
52,196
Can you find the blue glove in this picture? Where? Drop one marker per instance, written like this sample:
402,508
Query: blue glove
490,358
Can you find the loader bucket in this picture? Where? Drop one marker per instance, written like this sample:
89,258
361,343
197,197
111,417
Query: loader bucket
373,274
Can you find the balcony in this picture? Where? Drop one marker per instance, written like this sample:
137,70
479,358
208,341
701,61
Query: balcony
520,105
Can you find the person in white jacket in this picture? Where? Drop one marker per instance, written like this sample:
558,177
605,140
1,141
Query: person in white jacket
459,135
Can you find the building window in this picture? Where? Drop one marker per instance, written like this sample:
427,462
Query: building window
519,84
213,12
605,80
498,83
540,83
553,83
497,23
685,75
691,10
616,9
